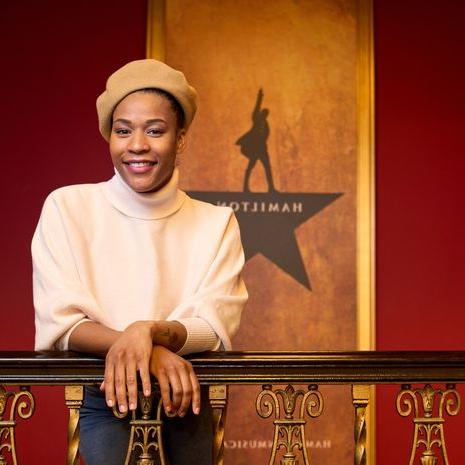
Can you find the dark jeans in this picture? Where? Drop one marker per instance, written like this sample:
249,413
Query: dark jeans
105,438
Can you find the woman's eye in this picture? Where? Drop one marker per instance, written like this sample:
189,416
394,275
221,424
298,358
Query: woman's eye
122,131
155,132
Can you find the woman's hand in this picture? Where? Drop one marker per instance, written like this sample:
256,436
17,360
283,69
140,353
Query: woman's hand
129,354
178,383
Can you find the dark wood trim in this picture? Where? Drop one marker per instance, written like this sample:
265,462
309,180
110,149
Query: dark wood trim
54,368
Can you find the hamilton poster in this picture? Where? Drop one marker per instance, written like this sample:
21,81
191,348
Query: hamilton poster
275,139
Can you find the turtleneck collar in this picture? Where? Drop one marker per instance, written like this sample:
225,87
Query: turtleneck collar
145,206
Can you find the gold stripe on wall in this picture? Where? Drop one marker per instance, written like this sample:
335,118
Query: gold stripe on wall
365,180
156,23
366,317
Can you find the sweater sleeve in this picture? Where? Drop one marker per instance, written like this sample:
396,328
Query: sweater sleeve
60,300
215,309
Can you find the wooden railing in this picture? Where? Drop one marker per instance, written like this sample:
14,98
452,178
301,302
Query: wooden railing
429,406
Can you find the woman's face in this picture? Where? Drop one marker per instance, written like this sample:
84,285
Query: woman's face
144,141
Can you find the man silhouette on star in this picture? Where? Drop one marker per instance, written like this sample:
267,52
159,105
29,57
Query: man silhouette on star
253,143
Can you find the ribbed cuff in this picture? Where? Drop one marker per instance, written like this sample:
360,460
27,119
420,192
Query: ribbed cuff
200,336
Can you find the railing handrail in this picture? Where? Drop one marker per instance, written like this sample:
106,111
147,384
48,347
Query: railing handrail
253,367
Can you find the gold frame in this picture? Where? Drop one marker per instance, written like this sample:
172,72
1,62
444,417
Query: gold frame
365,182
366,265
366,336
156,40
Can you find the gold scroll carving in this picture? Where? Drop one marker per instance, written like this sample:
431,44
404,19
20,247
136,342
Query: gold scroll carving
145,437
289,430
13,404
428,406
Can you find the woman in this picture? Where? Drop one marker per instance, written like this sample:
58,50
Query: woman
135,270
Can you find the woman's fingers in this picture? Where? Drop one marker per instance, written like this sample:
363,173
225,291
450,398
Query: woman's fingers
191,392
195,392
187,388
144,373
179,386
120,387
131,384
164,384
129,354
120,383
176,389
109,384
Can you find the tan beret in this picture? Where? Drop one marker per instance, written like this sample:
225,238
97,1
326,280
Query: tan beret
144,74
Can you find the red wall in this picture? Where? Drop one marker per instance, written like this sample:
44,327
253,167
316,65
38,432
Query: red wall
56,56
56,59
420,98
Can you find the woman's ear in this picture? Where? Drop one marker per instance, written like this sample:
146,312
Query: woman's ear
181,142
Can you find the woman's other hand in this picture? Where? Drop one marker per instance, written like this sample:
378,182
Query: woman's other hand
179,386
129,354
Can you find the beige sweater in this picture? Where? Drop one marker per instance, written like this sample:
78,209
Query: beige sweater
105,253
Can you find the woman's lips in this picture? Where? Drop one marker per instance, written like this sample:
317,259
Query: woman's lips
139,167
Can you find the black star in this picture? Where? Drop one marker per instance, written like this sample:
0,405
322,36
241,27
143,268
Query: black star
268,222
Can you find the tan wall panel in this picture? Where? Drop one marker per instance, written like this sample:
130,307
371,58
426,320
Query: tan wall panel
303,55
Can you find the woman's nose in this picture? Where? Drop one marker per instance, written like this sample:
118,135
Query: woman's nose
138,142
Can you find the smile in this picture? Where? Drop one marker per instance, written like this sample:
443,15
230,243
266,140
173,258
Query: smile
140,167
139,163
